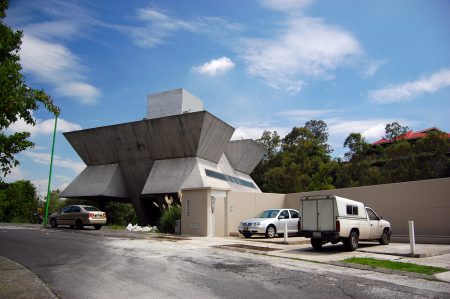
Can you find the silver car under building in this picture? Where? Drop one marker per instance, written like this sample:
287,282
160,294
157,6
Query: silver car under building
270,223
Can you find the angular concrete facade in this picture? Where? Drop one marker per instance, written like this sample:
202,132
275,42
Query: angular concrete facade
163,155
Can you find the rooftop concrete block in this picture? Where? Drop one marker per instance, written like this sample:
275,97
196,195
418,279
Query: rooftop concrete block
172,102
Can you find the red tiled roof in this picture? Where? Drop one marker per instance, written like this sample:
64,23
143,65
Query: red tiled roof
410,135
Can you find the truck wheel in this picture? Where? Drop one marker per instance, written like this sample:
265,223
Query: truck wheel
352,242
385,237
271,231
316,243
247,235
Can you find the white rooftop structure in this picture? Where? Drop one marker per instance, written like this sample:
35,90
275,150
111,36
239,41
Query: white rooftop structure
172,102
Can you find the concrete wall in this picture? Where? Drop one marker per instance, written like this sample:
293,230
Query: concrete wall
426,202
244,205
194,212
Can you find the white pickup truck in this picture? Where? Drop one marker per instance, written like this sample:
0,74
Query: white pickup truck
330,218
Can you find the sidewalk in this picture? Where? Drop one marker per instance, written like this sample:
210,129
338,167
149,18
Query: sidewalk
18,282
300,248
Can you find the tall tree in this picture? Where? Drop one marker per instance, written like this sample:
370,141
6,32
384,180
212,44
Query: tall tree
394,130
18,100
301,162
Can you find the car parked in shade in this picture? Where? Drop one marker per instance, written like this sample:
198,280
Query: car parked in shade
270,223
78,216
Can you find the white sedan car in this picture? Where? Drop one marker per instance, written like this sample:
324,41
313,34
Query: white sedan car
270,223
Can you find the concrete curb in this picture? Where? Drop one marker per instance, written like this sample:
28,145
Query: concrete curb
19,282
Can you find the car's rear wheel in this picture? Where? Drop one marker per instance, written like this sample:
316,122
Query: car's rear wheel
97,227
316,243
271,231
79,224
53,223
352,242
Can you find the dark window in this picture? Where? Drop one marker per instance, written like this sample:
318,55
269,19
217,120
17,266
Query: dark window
285,213
75,209
372,215
66,209
229,178
294,214
90,209
352,210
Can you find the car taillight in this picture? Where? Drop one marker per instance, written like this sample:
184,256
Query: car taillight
91,215
338,226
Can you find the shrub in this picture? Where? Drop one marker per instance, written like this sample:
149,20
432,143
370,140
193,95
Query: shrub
168,218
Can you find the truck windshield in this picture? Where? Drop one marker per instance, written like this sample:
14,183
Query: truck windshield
268,214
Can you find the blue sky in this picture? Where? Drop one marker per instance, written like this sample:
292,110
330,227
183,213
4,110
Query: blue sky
257,65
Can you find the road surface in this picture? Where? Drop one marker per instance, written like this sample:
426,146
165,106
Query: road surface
78,265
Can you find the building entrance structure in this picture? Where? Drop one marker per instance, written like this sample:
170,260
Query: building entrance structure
177,146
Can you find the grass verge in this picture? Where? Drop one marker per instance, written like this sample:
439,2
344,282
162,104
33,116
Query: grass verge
410,267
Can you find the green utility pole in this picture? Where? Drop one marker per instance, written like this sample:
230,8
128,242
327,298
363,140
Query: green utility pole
50,173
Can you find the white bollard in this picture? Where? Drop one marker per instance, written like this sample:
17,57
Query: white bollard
285,233
412,240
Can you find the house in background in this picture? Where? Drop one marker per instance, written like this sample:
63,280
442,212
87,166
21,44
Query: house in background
410,136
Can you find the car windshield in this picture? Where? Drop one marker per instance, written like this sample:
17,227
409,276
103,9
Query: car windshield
268,214
90,209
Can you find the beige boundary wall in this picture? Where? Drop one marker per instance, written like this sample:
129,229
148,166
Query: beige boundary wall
426,202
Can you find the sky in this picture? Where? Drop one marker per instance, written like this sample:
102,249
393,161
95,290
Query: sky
256,64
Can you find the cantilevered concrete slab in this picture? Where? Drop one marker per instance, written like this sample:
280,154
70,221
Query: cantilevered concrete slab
244,155
193,172
98,181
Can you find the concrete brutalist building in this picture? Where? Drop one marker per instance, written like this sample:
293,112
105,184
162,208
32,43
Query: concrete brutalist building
178,146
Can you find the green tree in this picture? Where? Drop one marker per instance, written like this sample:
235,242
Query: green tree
433,157
18,100
300,162
271,159
394,130
17,201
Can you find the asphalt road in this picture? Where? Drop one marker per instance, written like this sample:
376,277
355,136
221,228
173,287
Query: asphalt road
78,265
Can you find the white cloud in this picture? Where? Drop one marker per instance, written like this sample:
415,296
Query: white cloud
43,127
305,48
305,115
409,90
55,64
215,66
17,173
44,159
159,25
254,130
287,5
371,129
86,93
